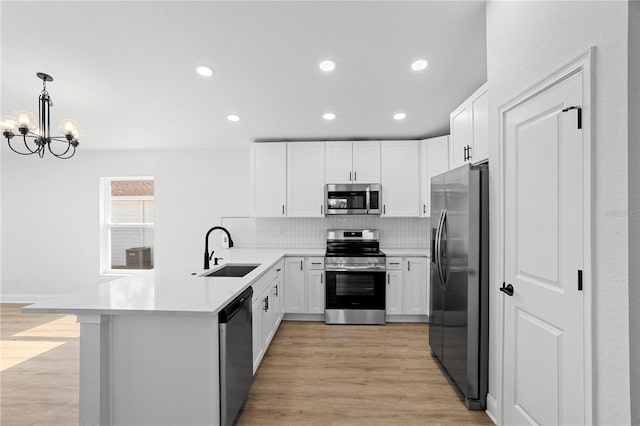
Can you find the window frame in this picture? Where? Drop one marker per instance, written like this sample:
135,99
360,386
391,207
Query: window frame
106,225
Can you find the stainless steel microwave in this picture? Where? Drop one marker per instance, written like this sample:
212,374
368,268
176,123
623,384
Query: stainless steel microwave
353,198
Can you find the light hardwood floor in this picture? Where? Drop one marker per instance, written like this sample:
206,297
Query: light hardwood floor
313,374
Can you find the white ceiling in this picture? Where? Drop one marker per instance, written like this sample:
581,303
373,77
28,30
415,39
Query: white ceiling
126,70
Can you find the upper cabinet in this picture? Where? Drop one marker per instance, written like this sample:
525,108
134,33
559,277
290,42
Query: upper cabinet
353,162
434,160
469,125
268,179
401,178
305,179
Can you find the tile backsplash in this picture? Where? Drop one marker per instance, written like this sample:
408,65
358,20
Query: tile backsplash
311,232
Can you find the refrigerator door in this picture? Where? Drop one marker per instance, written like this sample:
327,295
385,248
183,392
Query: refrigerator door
455,305
436,312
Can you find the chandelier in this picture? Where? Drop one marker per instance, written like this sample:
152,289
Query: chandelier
36,137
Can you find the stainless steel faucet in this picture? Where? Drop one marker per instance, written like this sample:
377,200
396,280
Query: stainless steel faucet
207,256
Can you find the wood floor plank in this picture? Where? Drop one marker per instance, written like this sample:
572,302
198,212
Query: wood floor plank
317,374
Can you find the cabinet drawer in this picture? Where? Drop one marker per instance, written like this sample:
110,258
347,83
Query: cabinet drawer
278,270
315,263
394,263
261,284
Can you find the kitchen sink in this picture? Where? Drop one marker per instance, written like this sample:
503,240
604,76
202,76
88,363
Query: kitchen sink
233,270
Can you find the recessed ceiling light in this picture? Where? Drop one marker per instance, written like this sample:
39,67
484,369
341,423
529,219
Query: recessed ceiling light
327,66
233,117
204,70
329,116
419,65
399,116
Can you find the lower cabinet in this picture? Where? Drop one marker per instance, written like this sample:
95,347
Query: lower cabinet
407,286
267,311
305,285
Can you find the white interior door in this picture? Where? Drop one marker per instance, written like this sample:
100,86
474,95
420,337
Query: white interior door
544,352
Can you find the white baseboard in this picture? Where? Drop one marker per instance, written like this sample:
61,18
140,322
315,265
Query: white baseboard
492,408
26,298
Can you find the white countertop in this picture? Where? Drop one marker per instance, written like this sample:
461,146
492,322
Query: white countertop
153,292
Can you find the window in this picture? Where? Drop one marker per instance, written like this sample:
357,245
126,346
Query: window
127,224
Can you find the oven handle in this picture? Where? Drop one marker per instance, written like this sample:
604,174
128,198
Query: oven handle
381,268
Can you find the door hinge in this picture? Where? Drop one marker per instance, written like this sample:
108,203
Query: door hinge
579,114
579,279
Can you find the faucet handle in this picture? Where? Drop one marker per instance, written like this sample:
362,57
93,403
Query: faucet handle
215,260
211,255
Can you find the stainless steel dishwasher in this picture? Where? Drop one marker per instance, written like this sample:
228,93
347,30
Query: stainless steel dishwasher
236,356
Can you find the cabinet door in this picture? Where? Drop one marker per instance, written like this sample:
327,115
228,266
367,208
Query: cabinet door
269,316
394,292
295,294
268,179
256,321
480,113
461,135
305,179
401,178
316,291
366,162
434,160
338,162
415,289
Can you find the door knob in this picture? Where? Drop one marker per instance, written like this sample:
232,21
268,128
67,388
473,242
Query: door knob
508,289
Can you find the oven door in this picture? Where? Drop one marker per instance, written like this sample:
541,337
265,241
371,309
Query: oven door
355,289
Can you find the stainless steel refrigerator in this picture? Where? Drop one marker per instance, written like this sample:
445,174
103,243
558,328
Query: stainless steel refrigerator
459,328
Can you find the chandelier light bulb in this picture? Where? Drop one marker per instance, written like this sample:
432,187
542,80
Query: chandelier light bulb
8,124
25,120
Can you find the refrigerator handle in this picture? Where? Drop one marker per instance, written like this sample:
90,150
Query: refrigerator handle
437,249
443,229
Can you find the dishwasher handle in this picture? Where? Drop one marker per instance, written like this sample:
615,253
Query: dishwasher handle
235,305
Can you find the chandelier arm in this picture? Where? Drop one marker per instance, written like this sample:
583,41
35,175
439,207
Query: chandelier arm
61,155
18,152
24,139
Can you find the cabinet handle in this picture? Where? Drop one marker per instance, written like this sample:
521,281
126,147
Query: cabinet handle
394,263
321,208
424,209
388,279
321,279
349,176
384,209
279,269
408,265
465,153
301,265
283,209
355,176
276,288
316,263
266,304
469,150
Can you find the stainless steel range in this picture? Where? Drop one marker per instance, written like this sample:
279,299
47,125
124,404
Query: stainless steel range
355,273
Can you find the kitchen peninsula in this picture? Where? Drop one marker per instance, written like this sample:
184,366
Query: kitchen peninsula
149,342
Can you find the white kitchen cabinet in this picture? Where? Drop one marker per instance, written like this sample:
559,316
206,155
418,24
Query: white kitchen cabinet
416,287
394,286
352,162
305,179
469,126
268,179
407,286
295,294
401,178
267,311
434,160
315,285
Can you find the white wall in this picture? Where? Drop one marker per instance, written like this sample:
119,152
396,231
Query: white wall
50,212
634,205
525,42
